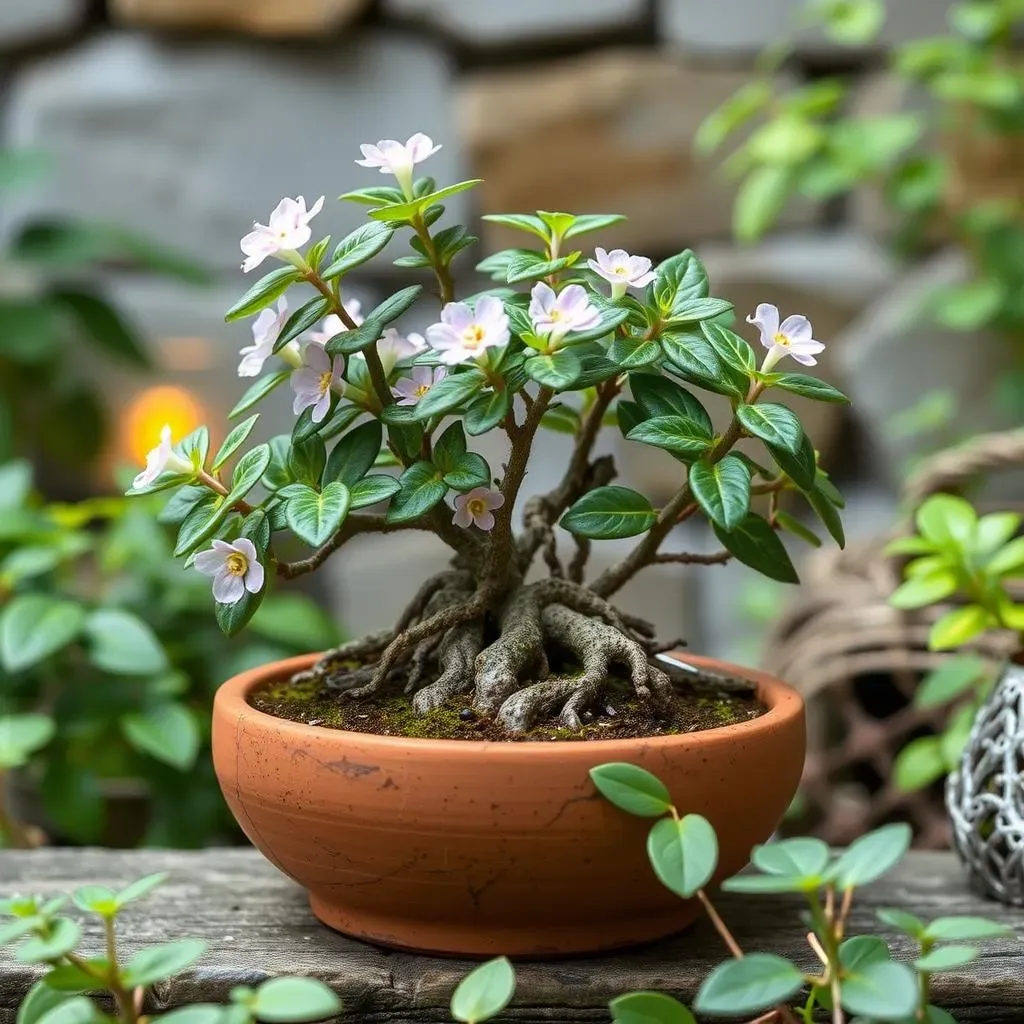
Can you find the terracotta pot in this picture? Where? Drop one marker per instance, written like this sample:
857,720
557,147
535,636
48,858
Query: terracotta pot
453,846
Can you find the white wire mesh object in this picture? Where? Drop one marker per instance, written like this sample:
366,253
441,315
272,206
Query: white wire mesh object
985,794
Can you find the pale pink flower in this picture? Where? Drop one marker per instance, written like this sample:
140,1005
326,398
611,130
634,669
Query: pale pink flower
162,458
477,508
315,379
392,157
622,270
555,314
409,390
394,347
464,334
331,326
288,229
235,568
793,337
265,331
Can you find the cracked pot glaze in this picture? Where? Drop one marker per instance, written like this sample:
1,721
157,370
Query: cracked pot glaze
461,847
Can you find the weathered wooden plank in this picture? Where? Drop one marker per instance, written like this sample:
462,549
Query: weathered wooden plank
257,925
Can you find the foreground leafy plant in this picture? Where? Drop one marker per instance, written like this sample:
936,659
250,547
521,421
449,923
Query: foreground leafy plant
857,975
561,357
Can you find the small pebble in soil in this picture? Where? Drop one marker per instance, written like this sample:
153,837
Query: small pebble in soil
314,721
467,714
610,711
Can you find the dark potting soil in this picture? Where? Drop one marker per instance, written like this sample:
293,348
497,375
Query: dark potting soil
623,715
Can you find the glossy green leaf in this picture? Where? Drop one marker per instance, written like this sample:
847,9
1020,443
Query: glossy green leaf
234,441
632,789
774,424
902,921
199,524
958,627
305,318
521,222
691,356
919,591
167,732
247,473
802,855
449,393
649,1008
677,434
965,927
121,642
609,512
756,544
808,387
39,1001
486,411
533,266
373,489
160,962
268,288
484,992
871,856
294,1000
683,852
722,490
945,518
315,516
659,396
559,371
140,888
76,1010
34,626
470,470
354,455
881,990
357,248
258,391
945,958
307,460
96,899
756,982
64,936
679,279
420,489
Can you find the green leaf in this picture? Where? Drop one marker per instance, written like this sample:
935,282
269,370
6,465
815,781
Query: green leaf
756,544
40,999
533,266
560,418
609,512
919,591
683,853
486,411
755,982
167,732
471,470
774,424
200,1013
880,989
394,305
958,627
853,22
160,962
586,222
761,884
122,643
308,315
694,311
801,468
96,899
1009,560
307,460
288,1000
420,489
953,678
722,490
263,293
872,855
354,455
679,279
692,357
247,473
357,247
633,353
919,764
793,525
21,736
76,1010
659,396
449,448
452,391
808,387
64,936
315,516
142,887
559,371
804,856
406,211
902,921
258,391
945,958
761,198
350,341
34,626
100,322
372,489
677,434
234,441
521,222
484,992
381,195
632,789
965,927
972,305
649,1008
200,523
825,510
945,519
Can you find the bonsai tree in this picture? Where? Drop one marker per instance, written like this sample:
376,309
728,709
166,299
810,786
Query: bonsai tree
559,352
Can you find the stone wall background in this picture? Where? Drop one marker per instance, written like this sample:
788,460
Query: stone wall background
187,119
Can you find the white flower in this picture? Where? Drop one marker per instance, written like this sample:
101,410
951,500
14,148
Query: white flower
392,157
265,330
393,347
315,379
161,459
476,508
331,326
464,334
554,315
622,270
409,390
235,568
790,338
287,230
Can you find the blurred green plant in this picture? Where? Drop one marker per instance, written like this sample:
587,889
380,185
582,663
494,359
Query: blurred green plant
57,321
109,658
956,556
950,168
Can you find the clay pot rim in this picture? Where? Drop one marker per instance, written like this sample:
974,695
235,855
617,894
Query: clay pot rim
784,705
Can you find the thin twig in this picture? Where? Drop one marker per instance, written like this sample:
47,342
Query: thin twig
720,926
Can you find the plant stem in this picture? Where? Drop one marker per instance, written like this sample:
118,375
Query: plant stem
210,481
720,926
445,285
122,996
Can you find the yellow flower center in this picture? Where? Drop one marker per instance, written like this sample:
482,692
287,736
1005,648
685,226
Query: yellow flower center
476,506
622,271
422,390
237,564
473,335
325,382
781,339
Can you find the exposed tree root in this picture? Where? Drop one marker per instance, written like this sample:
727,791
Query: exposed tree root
332,663
457,655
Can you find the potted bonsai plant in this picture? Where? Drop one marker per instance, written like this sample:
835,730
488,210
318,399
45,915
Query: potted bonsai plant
428,784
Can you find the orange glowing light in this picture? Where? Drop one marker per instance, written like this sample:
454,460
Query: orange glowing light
147,413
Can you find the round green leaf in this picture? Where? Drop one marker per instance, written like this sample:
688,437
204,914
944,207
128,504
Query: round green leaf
121,642
34,626
800,856
373,489
872,855
902,921
945,519
649,1008
160,962
484,992
722,490
632,789
64,936
420,489
609,512
945,958
39,1001
683,853
76,1010
881,990
965,927
315,516
748,985
167,732
96,899
287,1000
